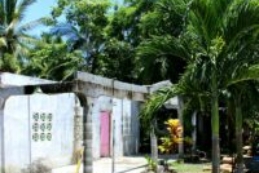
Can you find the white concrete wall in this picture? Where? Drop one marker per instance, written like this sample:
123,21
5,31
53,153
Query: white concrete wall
19,148
135,127
117,118
125,114
126,127
130,127
99,104
115,107
16,134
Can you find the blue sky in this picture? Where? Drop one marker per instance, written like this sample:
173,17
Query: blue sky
39,9
43,8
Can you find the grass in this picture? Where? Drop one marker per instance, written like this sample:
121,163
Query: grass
190,168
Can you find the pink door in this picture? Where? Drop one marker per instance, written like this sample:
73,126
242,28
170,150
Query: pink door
105,134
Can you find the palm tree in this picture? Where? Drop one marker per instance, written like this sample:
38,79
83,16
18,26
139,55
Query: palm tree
14,38
215,37
157,27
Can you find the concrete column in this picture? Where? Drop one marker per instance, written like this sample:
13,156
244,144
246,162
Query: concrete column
116,117
87,124
78,130
126,127
135,127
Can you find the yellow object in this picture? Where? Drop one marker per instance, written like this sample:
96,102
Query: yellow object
79,160
170,142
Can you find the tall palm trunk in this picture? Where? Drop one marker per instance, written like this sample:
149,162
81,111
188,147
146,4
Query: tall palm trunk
239,137
215,125
154,147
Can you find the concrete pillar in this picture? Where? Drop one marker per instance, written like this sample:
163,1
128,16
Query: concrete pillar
126,127
116,117
135,127
78,130
87,126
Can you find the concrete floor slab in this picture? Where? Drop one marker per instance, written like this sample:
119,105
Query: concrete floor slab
104,165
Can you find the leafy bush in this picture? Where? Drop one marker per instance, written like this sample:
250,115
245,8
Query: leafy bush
170,142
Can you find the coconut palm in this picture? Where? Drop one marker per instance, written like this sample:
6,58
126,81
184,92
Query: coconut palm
219,41
14,38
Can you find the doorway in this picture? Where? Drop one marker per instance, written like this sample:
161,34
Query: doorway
105,133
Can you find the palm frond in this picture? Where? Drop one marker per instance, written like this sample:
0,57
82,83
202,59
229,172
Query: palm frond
22,49
22,7
9,30
245,74
65,29
27,39
236,19
3,42
156,101
158,46
2,30
33,24
9,6
2,12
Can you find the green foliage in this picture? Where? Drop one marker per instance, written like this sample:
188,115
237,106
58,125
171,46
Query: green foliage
50,59
206,45
167,145
151,163
158,28
156,54
116,61
218,42
15,42
109,39
10,63
84,29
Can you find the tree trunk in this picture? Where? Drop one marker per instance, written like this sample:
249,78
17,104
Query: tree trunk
180,117
239,138
154,148
215,126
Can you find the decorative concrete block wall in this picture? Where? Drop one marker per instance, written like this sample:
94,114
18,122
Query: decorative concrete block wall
38,127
